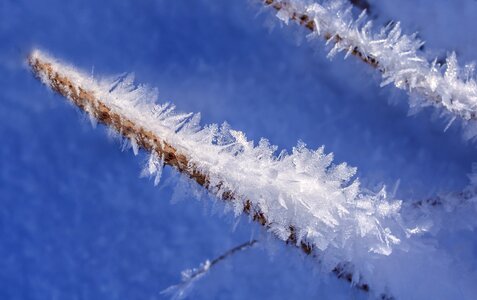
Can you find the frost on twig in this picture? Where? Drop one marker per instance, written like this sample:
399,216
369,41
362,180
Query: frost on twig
302,198
191,276
396,55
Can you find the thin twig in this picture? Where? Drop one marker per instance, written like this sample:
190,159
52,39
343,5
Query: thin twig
232,251
189,277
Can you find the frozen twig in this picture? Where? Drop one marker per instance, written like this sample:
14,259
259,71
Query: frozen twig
191,276
393,53
301,198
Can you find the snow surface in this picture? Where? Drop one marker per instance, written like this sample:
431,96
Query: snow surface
78,222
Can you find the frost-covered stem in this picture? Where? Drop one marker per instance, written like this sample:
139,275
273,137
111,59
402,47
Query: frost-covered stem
394,54
309,23
190,276
144,138
86,101
135,124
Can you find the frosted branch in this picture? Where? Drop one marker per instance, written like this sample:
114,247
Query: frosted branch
302,198
393,53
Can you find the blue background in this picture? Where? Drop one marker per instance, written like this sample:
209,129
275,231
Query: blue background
77,222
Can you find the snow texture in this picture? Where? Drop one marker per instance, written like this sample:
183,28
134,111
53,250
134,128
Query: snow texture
398,57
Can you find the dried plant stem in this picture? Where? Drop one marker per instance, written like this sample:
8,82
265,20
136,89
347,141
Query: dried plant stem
146,139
